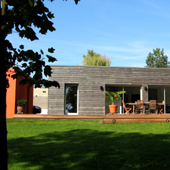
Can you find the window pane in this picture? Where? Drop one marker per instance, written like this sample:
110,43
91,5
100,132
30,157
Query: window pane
156,93
132,94
118,102
167,99
71,99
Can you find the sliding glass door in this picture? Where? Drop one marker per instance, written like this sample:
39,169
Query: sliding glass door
160,93
133,93
167,99
131,96
118,102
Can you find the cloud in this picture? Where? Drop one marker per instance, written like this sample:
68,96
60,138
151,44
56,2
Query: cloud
154,5
161,9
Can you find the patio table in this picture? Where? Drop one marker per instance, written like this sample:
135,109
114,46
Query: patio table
145,103
132,104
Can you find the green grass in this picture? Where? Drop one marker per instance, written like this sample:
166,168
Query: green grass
87,145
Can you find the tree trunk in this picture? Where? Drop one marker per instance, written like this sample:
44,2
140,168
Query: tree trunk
3,140
3,127
3,143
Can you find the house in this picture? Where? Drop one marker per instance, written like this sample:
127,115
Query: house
41,99
82,88
15,92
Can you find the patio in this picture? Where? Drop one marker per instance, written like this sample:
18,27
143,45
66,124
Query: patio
117,118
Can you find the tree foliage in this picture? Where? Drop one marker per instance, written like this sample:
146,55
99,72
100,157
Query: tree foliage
111,97
76,1
22,17
95,59
157,59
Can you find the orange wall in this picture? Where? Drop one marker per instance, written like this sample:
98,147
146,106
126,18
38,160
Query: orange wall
10,96
25,92
15,92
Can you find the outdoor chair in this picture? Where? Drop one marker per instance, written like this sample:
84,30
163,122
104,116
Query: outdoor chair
152,106
146,107
140,106
162,107
127,109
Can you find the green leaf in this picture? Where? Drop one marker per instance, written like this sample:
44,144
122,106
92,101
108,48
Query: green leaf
42,31
21,46
51,59
42,52
50,15
29,53
157,59
23,82
24,65
21,34
30,34
31,2
76,1
95,59
47,71
113,96
51,50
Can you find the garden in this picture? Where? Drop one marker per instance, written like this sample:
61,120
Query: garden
87,145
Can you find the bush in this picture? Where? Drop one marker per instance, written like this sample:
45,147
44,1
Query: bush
21,102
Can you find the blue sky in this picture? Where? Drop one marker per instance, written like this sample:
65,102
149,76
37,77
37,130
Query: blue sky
125,30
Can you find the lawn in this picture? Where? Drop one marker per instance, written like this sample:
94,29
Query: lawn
87,145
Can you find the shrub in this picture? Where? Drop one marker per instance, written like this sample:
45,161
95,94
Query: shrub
21,102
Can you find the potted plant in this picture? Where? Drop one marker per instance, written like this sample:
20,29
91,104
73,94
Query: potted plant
20,105
111,97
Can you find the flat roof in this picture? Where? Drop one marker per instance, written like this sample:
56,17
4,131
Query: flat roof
106,66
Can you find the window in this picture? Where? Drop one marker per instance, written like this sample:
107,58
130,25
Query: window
132,95
71,99
118,102
160,93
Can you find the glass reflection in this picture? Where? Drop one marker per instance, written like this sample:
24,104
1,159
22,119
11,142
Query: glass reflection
71,99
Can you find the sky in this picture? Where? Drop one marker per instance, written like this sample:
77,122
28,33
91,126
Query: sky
124,30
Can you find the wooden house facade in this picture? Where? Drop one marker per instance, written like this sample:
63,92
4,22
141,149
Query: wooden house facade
82,88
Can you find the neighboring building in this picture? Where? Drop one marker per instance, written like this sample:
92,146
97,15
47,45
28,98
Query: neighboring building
15,92
41,99
82,88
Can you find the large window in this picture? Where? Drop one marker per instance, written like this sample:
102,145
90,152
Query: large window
132,95
159,94
156,93
167,99
71,99
119,102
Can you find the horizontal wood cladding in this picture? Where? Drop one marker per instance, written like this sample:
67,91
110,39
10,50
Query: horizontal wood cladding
89,79
111,74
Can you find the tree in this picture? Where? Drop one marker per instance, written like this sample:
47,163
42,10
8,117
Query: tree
157,59
22,16
94,59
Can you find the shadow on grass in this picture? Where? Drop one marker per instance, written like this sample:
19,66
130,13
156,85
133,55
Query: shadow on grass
90,149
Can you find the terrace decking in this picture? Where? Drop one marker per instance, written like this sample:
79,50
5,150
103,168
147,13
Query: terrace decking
117,118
